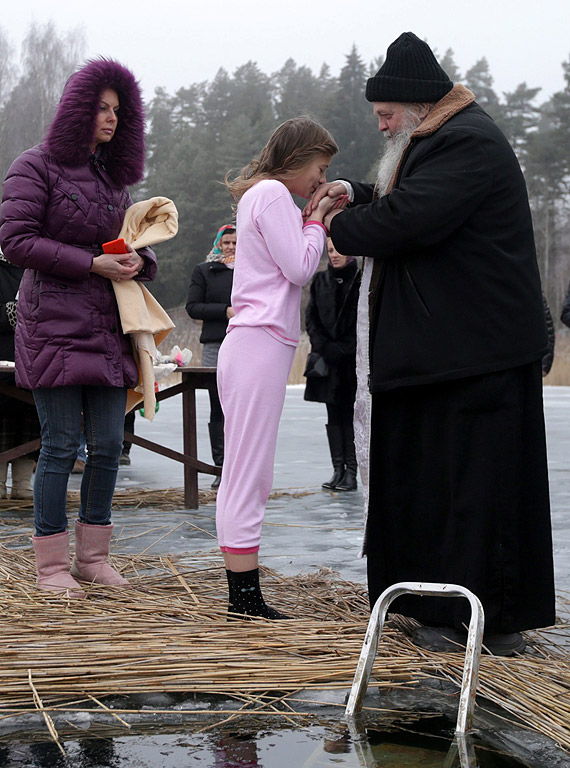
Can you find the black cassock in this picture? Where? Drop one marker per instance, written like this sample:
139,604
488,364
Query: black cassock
459,494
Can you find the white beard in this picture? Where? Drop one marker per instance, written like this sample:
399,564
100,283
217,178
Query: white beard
395,146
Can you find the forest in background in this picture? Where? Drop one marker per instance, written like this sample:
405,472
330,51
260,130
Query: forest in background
207,129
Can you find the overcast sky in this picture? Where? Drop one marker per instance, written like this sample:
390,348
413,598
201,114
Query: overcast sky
176,42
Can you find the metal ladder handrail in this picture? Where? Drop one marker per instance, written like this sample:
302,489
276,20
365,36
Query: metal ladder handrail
472,651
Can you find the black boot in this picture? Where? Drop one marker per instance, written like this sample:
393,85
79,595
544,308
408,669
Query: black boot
245,594
348,482
216,429
336,446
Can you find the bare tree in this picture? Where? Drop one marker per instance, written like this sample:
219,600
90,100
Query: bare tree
48,59
7,67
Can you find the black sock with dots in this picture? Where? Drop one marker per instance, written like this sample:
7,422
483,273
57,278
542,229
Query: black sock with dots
231,608
246,597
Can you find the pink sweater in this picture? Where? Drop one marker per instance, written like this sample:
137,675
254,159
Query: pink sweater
275,256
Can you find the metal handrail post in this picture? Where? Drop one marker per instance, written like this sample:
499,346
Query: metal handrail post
374,631
461,752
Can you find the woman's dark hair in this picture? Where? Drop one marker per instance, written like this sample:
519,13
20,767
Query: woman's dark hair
291,147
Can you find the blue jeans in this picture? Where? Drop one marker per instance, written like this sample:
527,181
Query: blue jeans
59,411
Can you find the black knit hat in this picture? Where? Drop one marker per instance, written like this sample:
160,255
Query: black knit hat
410,73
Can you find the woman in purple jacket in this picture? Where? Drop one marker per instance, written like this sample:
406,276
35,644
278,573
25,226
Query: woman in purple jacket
61,200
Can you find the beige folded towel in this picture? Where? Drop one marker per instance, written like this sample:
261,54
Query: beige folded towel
146,223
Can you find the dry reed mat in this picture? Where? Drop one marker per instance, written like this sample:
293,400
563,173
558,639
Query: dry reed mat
141,498
170,633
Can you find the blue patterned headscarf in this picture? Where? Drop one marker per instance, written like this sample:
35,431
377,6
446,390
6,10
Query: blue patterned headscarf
216,252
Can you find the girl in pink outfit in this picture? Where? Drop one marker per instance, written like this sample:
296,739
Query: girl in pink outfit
276,255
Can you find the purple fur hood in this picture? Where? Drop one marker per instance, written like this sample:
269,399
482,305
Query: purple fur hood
60,203
71,130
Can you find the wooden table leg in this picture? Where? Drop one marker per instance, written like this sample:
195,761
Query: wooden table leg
190,446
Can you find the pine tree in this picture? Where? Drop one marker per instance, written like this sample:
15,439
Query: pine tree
217,102
251,95
559,113
520,118
351,121
188,105
296,91
375,65
447,63
479,80
548,180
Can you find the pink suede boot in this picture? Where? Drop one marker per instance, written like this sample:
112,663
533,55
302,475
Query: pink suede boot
52,564
91,552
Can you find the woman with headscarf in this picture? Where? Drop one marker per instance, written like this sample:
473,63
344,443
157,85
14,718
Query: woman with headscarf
209,300
61,201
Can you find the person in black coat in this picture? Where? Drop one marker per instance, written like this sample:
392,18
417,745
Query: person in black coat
18,420
209,300
330,321
458,475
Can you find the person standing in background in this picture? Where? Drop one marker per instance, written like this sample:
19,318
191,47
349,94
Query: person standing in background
129,426
18,420
209,300
330,320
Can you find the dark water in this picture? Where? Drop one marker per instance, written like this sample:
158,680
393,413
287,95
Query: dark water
306,747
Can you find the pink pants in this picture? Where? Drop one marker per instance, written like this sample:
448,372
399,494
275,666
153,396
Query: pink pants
253,368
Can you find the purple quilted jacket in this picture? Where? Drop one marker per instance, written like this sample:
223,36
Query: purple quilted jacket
59,204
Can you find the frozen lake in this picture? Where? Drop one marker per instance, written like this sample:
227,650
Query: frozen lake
320,528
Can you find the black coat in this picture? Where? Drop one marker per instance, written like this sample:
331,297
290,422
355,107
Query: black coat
18,420
209,296
458,292
565,314
330,320
10,277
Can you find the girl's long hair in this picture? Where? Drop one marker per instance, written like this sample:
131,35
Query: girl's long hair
292,146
